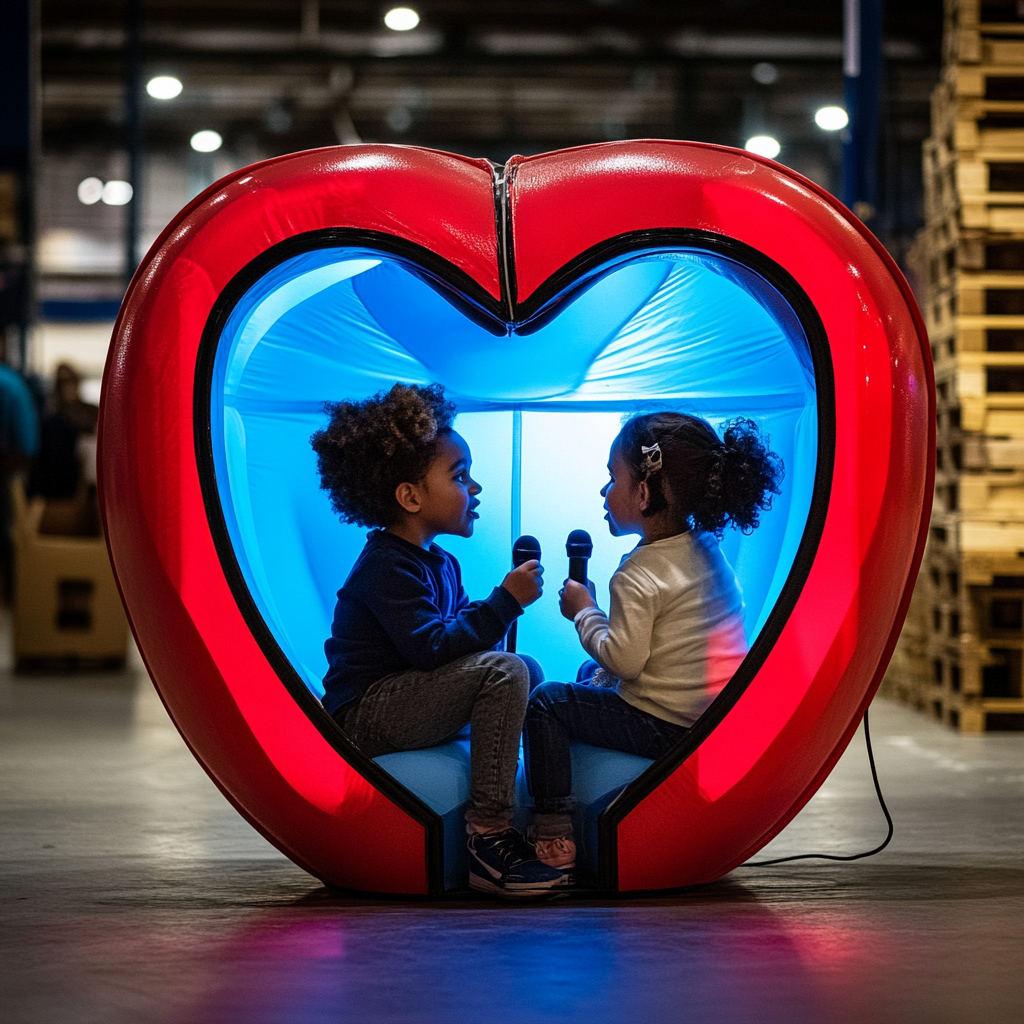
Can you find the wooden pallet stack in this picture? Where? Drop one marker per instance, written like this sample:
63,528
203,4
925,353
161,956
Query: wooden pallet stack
960,655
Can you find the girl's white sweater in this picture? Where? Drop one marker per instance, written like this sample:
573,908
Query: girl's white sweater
674,633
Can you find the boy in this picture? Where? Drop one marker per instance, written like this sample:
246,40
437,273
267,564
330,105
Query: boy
411,659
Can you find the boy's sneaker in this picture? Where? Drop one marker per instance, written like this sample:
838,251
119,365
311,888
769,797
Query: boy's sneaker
505,864
559,854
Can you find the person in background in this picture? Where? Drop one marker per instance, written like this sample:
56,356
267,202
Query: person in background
58,472
19,442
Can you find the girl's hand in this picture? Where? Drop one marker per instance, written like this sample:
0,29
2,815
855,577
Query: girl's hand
526,582
574,597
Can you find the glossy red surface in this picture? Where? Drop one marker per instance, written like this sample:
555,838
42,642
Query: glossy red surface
778,743
235,714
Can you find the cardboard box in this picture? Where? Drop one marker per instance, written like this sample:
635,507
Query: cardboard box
67,611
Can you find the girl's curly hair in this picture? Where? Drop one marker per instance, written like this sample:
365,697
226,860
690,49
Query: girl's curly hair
710,482
370,447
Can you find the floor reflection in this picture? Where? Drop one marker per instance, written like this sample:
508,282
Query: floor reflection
672,961
133,894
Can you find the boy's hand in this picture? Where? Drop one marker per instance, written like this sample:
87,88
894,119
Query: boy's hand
526,582
574,597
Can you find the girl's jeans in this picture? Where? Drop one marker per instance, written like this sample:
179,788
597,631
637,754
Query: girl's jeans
412,710
558,714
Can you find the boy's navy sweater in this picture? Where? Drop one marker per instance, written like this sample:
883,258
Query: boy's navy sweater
403,607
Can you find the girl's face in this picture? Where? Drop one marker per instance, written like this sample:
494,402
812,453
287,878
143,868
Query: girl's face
447,494
624,498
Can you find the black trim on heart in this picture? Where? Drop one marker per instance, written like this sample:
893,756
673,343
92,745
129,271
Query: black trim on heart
468,296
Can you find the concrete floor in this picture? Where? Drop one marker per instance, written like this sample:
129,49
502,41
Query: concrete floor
133,893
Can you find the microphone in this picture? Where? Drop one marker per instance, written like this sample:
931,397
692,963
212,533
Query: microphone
525,548
579,547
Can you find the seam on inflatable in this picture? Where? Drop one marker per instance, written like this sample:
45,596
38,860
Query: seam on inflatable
503,228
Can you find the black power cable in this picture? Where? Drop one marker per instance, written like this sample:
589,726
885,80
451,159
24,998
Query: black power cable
833,856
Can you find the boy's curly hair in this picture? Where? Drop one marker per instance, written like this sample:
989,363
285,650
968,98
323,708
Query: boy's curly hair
711,483
370,447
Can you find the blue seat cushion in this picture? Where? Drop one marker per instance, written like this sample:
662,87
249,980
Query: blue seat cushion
439,776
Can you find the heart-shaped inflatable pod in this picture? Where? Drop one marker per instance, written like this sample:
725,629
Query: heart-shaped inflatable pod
549,297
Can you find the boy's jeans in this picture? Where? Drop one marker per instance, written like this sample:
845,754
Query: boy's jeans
560,713
412,710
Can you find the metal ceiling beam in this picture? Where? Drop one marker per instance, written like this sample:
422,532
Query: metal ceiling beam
497,42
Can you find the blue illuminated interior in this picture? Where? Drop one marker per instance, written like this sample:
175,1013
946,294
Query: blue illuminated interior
683,328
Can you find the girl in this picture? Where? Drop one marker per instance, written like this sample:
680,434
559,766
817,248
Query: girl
411,659
674,634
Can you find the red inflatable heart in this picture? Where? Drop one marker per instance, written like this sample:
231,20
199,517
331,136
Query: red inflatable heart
773,734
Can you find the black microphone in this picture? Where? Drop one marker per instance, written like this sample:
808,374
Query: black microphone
579,547
523,550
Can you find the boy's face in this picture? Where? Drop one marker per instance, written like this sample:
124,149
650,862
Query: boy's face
447,494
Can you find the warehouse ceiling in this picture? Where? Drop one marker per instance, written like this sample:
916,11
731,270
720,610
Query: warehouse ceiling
485,78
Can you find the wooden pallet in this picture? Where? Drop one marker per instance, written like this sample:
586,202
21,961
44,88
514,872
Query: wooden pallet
970,714
967,124
941,199
906,677
967,39
990,190
961,654
977,110
975,317
979,189
976,408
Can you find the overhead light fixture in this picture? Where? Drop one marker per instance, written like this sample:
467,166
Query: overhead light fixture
399,119
763,145
90,190
206,141
164,87
117,193
764,73
831,119
401,19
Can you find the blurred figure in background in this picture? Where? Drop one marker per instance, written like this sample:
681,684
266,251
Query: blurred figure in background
19,442
65,472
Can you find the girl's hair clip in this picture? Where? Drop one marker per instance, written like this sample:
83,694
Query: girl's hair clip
652,458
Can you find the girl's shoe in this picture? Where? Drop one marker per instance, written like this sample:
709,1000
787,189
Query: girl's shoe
559,854
504,864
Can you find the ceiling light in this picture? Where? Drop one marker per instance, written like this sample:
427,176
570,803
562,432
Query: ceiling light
90,190
831,118
763,145
206,141
117,193
163,87
401,19
399,119
764,73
